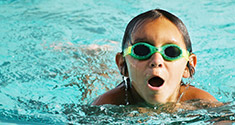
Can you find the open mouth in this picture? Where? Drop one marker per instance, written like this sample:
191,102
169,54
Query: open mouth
156,82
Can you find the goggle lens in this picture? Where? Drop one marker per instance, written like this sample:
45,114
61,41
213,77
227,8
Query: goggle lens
172,51
141,50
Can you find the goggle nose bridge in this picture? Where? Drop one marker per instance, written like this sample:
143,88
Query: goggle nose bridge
156,50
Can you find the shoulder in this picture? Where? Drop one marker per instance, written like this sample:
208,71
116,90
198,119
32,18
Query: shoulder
196,93
115,96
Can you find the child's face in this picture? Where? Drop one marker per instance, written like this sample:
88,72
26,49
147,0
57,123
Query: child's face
157,32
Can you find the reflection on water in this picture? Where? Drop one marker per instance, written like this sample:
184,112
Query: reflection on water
86,114
57,56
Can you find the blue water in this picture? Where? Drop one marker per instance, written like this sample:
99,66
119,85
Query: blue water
57,56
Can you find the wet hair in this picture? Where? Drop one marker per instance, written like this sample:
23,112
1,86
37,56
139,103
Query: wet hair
154,14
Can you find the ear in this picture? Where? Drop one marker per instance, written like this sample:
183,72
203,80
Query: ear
121,64
192,62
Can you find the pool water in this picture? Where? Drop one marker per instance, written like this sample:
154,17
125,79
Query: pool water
57,56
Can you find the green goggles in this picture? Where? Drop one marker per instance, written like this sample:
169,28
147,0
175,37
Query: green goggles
143,51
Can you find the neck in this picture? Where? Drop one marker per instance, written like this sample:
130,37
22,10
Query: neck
175,96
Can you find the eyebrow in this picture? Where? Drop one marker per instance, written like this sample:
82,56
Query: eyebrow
145,40
141,40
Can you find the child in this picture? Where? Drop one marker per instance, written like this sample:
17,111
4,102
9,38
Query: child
156,54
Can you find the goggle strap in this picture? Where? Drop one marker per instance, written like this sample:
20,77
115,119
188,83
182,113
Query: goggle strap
185,54
127,51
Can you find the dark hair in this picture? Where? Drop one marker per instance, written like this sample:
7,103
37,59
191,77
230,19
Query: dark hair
154,14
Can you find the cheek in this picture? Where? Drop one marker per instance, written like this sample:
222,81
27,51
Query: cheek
135,68
132,64
177,68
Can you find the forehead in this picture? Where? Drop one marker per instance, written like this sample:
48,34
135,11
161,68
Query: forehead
157,32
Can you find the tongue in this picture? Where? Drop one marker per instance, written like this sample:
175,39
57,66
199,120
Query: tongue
156,82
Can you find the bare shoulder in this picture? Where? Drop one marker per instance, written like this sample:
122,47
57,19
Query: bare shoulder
195,98
196,93
115,96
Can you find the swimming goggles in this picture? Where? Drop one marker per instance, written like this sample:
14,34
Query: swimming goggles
143,51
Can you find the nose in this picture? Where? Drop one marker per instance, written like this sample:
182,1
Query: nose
156,60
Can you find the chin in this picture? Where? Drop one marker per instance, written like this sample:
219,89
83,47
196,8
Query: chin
155,100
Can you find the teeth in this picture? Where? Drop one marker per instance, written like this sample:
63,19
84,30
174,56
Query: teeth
156,81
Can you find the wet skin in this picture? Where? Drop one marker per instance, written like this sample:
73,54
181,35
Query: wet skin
156,32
